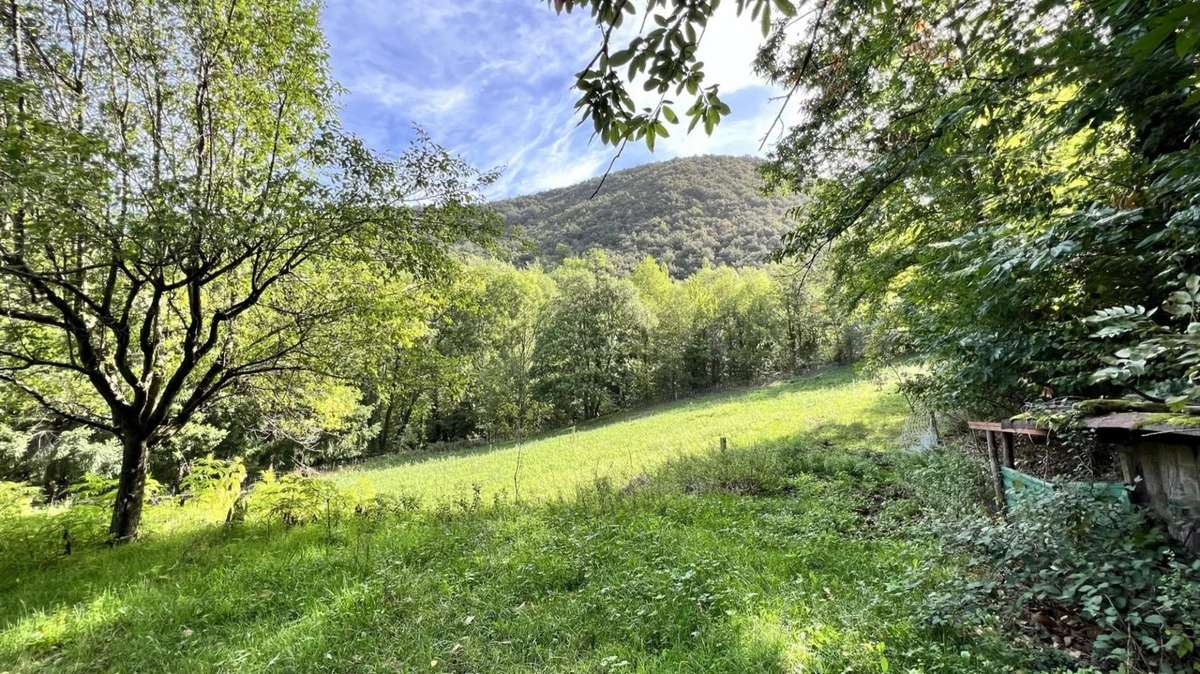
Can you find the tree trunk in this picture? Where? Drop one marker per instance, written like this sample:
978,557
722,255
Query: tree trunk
385,431
131,488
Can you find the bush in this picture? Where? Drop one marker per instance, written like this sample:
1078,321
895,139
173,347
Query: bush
35,535
56,459
12,452
754,471
296,499
193,443
214,484
1087,574
16,499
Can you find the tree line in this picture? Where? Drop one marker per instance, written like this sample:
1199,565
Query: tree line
194,255
490,352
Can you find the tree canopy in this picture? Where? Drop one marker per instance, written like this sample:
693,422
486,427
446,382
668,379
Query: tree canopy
175,187
985,176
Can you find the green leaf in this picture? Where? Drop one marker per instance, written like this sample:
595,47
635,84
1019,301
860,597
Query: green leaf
622,57
1146,44
1186,42
785,7
670,115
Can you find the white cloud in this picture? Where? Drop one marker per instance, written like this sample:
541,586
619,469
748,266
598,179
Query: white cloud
740,133
728,49
424,103
492,79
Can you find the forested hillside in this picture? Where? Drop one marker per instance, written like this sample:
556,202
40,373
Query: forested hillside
682,211
283,389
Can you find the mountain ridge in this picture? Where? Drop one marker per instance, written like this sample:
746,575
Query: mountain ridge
684,212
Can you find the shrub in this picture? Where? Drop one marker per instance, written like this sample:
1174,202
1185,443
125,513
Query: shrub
296,499
97,489
16,499
214,484
1075,568
193,443
753,471
12,451
55,459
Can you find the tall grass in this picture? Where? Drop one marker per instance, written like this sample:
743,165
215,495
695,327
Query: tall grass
773,556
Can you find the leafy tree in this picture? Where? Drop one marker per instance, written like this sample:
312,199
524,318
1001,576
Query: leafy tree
807,322
669,327
590,340
171,174
1168,355
737,326
505,392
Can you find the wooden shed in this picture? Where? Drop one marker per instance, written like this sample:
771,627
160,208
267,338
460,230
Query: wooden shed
1160,464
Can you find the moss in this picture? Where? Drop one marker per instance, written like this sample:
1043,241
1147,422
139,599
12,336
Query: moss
1111,406
1187,420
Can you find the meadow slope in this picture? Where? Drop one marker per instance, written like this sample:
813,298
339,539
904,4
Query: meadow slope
793,551
858,411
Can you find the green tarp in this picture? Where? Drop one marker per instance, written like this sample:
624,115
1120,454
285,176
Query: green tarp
1019,486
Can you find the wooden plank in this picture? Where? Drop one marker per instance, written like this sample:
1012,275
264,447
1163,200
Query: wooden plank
1009,427
1008,453
1128,467
1168,429
1023,427
1139,423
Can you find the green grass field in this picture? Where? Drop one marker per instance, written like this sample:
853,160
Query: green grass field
627,445
791,552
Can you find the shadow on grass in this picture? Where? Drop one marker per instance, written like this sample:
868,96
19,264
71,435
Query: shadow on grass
658,581
507,589
648,579
76,578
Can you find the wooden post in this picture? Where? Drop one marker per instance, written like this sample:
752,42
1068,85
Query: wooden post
1128,472
1007,440
997,476
724,443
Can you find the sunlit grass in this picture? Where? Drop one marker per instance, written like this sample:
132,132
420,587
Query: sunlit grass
782,574
619,448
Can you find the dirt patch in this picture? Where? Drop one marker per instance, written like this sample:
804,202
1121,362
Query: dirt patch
1059,627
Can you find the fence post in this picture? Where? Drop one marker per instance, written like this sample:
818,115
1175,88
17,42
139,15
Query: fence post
1007,444
997,476
724,443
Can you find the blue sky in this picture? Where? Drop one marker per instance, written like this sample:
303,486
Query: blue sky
491,79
